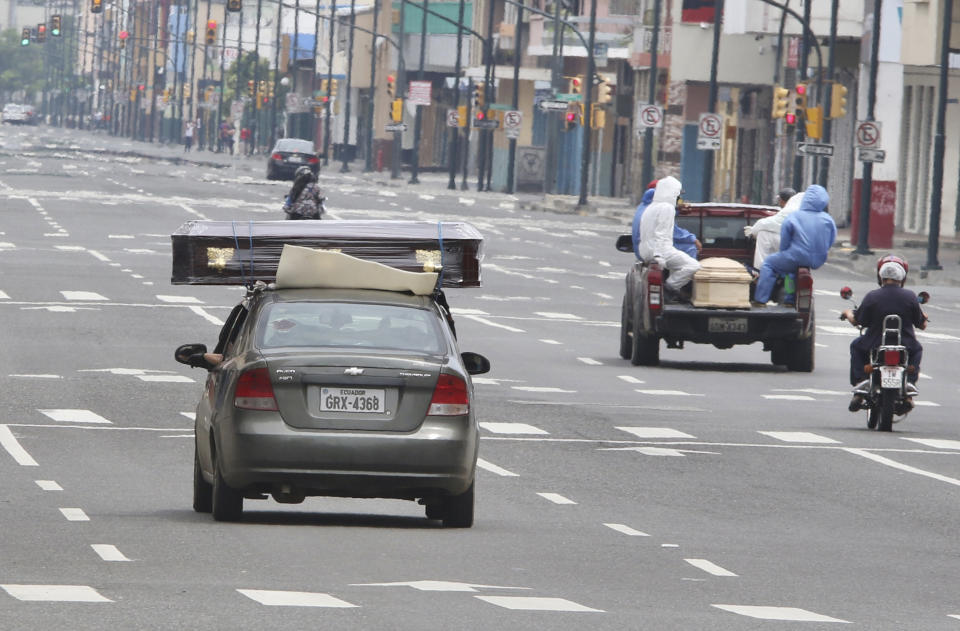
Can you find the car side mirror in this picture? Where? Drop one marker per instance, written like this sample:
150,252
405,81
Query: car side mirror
475,363
625,243
192,355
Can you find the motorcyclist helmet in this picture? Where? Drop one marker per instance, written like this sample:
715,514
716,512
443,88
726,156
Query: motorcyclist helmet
303,172
892,267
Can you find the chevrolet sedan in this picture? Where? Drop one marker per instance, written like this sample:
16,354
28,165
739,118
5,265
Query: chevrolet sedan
288,155
336,392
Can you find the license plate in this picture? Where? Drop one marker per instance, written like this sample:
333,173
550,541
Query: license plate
891,376
352,400
295,159
727,325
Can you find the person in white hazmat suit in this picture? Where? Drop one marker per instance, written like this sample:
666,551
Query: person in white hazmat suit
767,230
656,235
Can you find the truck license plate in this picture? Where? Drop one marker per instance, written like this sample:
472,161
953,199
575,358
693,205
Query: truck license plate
727,325
354,400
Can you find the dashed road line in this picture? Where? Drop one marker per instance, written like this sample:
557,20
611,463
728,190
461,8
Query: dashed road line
108,552
48,485
74,416
273,598
800,437
556,498
630,379
492,468
938,443
9,442
589,361
669,393
778,613
532,603
788,397
627,530
55,593
553,342
543,389
709,567
82,295
513,428
655,432
74,514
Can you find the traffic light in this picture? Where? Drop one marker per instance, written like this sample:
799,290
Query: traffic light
604,92
396,110
575,84
813,117
461,116
234,5
166,95
598,116
211,38
391,86
25,36
96,6
838,100
41,33
55,26
479,96
250,87
780,95
800,97
570,120
333,88
187,91
790,118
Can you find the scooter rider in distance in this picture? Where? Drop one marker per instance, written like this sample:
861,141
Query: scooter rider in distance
890,299
304,200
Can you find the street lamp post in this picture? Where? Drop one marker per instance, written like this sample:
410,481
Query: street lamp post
939,141
418,118
345,168
455,131
587,105
368,166
866,185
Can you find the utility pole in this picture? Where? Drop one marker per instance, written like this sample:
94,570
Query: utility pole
485,148
455,131
257,132
712,98
866,184
417,119
647,172
939,141
514,101
368,165
552,158
345,168
396,162
326,119
804,67
828,101
587,106
313,75
276,77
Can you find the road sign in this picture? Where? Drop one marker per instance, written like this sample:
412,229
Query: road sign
512,119
650,116
453,119
563,96
395,127
553,105
868,134
486,124
871,155
814,149
419,93
600,50
709,132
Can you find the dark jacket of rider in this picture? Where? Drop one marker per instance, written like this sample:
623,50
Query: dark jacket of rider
889,299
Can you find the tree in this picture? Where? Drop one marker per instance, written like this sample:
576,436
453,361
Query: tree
21,67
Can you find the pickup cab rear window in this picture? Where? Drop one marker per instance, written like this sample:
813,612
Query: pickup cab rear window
717,232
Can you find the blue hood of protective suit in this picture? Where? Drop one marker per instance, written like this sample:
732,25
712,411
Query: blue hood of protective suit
808,234
648,196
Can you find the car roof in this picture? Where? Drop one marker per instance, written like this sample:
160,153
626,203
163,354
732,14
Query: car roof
727,209
298,143
366,296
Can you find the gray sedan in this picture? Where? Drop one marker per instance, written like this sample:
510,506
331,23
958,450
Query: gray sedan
336,392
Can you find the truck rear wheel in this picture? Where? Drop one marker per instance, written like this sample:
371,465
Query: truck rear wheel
799,356
646,348
626,344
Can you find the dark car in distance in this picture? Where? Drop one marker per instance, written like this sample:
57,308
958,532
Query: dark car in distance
288,155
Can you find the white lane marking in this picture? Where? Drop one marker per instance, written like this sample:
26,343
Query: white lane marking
542,389
586,233
9,442
800,437
557,316
190,415
100,257
108,552
74,416
82,295
778,613
49,485
655,432
709,568
930,404
627,530
630,379
902,467
660,451
121,236
492,468
38,376
669,545
166,378
460,311
512,329
273,598
556,498
3,295
139,250
55,593
200,311
604,296
6,245
939,443
554,342
467,201
74,514
669,393
530,603
513,428
589,361
813,391
952,615
788,397
427,197
437,586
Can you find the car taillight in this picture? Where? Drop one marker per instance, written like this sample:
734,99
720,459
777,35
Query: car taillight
804,290
450,397
891,358
276,156
313,160
254,391
654,289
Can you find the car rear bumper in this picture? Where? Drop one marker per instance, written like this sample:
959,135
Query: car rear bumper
763,324
260,452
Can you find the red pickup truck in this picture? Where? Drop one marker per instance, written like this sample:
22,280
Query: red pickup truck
786,330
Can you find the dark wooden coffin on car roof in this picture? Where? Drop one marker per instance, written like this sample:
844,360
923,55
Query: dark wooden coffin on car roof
243,252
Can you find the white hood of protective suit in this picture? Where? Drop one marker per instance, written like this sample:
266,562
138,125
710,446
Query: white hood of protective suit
656,225
773,223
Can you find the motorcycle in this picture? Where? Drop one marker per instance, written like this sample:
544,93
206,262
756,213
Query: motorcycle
321,210
886,392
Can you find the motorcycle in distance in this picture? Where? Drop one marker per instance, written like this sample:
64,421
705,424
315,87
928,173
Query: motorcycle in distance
886,392
318,214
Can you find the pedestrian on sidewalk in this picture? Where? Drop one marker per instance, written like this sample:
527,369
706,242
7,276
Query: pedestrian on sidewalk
188,136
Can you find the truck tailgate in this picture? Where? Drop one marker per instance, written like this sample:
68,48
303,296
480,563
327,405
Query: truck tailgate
724,327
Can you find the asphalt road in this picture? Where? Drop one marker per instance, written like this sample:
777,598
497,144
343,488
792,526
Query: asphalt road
712,492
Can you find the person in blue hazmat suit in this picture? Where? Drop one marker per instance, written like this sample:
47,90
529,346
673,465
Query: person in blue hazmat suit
656,236
805,240
683,239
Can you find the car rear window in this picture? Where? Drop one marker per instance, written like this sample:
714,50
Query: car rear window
299,146
717,232
354,325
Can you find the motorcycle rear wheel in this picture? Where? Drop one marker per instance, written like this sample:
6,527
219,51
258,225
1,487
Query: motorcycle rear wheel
887,398
873,417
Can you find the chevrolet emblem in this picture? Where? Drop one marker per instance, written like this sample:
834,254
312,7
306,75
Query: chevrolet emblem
353,371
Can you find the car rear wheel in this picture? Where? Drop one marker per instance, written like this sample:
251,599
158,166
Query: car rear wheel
626,344
202,490
458,510
227,503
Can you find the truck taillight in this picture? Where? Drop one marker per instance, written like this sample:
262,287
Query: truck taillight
450,397
654,289
254,391
804,290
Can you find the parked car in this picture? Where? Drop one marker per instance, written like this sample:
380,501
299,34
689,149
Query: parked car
336,392
14,113
29,114
288,155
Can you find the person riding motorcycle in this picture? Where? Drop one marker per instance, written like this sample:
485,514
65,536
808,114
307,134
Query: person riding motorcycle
890,299
304,200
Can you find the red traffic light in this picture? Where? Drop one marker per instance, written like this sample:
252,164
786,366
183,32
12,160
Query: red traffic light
123,35
790,118
41,29
801,88
141,87
390,78
571,116
212,24
480,115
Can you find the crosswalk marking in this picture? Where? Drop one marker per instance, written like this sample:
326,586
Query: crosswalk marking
74,514
74,416
938,443
800,437
49,485
492,468
627,530
274,598
108,552
655,432
9,442
531,603
556,498
778,613
709,567
82,295
513,428
55,593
